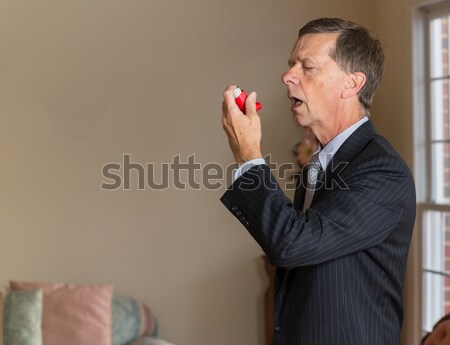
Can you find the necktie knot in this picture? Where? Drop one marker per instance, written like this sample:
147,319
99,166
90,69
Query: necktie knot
315,161
314,167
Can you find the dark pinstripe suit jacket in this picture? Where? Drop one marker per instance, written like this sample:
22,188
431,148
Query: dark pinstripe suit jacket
341,264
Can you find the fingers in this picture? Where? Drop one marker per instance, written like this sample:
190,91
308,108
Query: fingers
229,105
244,132
250,105
229,91
228,100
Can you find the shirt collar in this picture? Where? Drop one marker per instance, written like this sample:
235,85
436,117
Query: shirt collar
326,154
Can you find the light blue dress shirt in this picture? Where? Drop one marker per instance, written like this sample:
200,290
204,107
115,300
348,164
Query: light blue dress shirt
325,154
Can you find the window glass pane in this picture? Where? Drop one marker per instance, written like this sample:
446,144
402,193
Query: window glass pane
433,307
446,296
440,129
436,224
441,173
436,233
439,47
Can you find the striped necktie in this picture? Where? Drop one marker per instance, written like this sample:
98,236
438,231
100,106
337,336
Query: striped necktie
313,171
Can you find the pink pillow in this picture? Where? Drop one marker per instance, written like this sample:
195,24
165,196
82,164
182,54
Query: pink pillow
74,314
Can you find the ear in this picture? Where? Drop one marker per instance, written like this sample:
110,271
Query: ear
353,83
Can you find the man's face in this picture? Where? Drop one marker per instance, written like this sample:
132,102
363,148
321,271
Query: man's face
314,80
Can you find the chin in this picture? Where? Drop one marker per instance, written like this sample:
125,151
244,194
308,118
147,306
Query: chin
299,121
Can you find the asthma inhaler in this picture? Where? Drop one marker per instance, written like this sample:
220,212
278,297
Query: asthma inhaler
240,96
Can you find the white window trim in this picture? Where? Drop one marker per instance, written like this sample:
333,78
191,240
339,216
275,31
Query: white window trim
422,147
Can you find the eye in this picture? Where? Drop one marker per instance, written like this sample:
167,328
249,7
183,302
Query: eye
309,70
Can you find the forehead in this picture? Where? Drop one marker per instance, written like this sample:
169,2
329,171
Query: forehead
314,46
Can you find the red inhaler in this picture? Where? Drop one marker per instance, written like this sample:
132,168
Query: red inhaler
240,96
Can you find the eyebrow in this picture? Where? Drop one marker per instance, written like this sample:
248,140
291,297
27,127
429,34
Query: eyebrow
303,62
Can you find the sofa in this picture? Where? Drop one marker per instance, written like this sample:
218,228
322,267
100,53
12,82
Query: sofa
64,314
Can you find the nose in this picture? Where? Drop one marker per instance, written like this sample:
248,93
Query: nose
289,77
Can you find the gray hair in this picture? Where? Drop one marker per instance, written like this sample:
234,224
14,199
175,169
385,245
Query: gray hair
356,50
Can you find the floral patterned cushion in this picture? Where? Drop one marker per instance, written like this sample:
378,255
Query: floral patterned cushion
22,317
131,319
73,314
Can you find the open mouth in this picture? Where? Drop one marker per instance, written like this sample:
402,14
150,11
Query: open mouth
296,101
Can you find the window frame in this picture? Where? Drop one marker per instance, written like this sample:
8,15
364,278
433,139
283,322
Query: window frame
423,143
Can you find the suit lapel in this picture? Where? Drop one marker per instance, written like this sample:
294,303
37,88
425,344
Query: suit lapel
354,144
348,151
299,197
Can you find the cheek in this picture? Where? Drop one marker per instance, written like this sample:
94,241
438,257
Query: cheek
331,90
316,89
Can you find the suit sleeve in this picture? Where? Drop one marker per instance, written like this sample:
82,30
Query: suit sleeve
347,220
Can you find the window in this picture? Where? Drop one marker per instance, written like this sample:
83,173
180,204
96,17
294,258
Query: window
432,163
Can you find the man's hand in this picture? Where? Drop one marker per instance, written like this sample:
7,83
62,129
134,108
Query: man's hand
440,335
243,131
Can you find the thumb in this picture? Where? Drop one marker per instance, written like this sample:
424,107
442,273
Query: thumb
250,104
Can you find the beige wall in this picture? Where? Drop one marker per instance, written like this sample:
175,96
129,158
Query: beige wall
84,82
393,118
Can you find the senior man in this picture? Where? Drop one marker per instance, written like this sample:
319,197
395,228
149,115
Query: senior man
341,247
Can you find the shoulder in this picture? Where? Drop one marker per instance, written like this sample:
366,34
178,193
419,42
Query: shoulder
379,173
379,154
